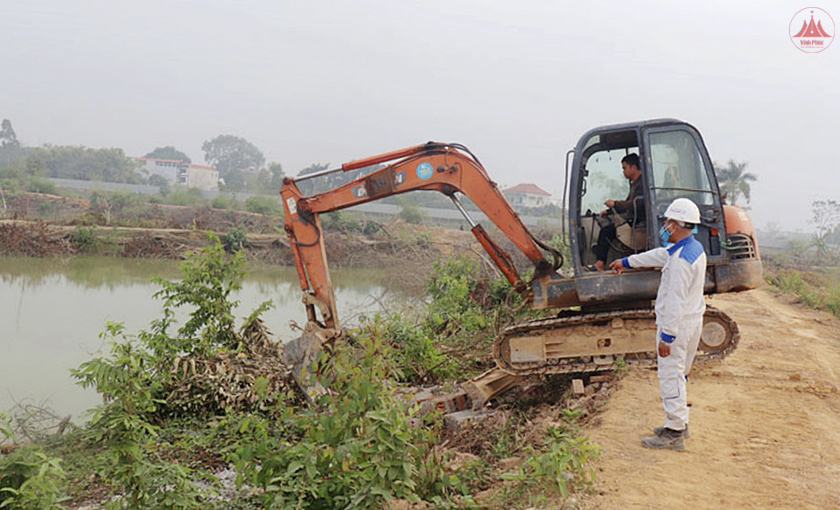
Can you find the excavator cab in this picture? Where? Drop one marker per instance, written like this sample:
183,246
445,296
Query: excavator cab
674,163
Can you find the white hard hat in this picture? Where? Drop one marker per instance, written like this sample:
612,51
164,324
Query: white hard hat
683,209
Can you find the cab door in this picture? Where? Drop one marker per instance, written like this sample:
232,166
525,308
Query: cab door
678,166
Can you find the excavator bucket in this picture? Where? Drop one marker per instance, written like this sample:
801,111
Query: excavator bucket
301,356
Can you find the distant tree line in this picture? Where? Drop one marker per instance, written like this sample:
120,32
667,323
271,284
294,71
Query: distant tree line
241,165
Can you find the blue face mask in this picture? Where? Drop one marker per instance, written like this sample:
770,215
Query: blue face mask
665,236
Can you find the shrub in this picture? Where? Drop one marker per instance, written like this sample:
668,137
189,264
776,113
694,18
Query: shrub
29,478
821,291
41,185
550,470
192,196
412,214
457,329
133,377
84,239
354,449
348,223
262,204
416,355
224,202
235,240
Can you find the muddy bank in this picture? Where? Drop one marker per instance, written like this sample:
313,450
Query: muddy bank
44,239
406,253
40,225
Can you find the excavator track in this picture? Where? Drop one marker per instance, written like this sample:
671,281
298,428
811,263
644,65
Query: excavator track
591,342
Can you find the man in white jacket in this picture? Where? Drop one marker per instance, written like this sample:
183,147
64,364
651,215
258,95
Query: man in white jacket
679,314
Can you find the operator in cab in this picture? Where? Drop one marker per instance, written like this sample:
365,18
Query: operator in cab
631,209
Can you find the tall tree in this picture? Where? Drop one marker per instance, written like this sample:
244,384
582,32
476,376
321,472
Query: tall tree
10,148
826,218
227,153
734,181
277,174
8,138
168,152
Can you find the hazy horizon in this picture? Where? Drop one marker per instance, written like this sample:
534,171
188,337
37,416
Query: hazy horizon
329,82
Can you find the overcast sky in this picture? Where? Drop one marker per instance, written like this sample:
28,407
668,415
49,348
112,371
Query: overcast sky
517,82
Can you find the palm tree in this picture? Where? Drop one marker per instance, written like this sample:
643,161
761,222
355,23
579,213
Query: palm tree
734,181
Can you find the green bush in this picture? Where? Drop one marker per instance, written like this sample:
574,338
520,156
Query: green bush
348,223
132,376
415,354
30,479
453,288
262,204
224,202
424,240
84,239
562,461
192,196
354,448
456,330
412,214
235,240
41,185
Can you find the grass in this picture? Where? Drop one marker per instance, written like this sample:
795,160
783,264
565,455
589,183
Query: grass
818,289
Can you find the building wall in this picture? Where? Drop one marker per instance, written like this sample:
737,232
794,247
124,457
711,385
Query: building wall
203,178
166,169
527,200
177,172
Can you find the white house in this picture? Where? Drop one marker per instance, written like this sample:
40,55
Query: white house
527,195
176,171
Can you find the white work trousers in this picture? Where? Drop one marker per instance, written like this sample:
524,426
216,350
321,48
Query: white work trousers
673,370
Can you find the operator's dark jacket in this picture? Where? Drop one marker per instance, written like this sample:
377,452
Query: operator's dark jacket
635,202
636,197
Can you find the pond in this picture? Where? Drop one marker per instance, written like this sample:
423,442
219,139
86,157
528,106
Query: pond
52,312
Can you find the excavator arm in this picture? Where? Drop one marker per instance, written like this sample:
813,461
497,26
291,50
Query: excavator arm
447,168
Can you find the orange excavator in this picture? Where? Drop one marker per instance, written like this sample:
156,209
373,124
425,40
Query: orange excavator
601,317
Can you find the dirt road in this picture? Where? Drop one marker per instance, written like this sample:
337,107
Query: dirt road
765,422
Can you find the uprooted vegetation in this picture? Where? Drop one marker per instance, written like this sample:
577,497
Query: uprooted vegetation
211,397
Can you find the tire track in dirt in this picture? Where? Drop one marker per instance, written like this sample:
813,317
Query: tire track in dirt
765,421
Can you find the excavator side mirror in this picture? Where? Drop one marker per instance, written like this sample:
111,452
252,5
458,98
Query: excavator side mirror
710,216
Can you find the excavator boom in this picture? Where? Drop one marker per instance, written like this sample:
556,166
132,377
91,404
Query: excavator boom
447,168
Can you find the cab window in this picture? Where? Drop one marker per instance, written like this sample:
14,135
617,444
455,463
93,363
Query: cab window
604,179
678,168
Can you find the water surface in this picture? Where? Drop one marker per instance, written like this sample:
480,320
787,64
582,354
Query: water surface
52,312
